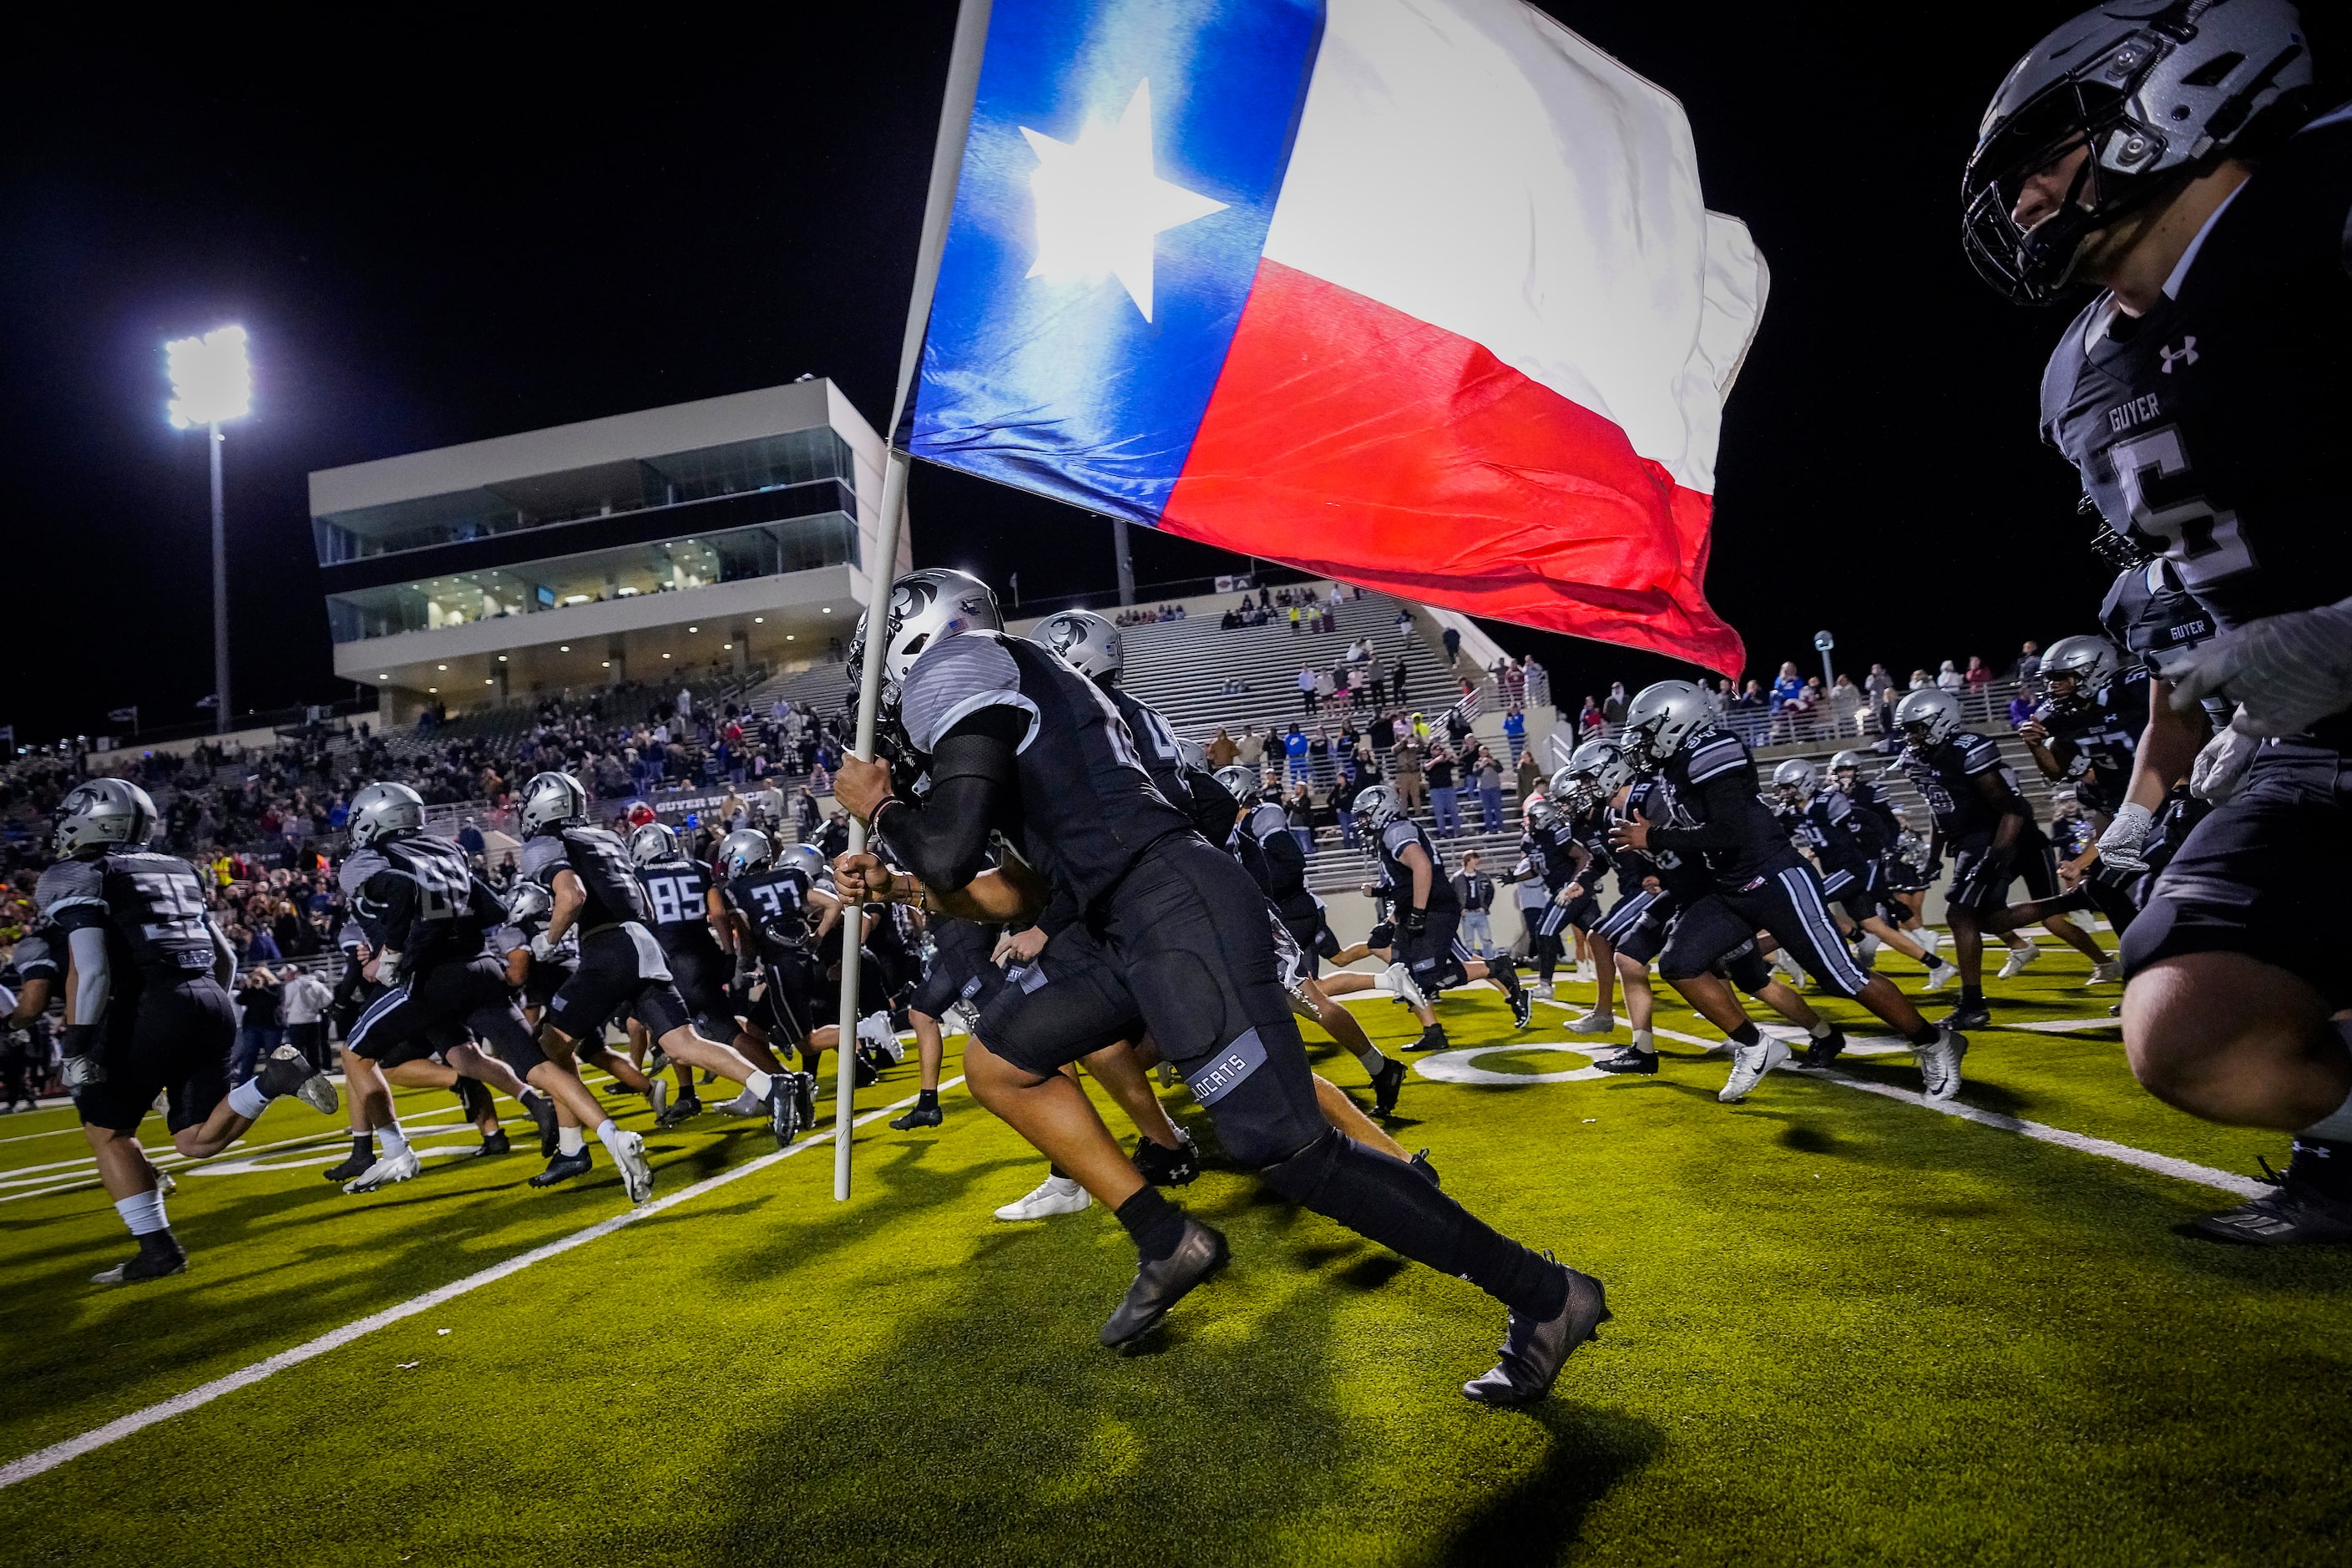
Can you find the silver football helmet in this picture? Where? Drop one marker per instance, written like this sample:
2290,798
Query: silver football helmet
1541,812
1929,716
1847,762
1191,756
1796,779
652,842
1087,643
925,606
1243,783
551,801
1605,763
383,811
742,852
1665,717
805,859
2086,656
2154,90
1377,806
101,815
529,902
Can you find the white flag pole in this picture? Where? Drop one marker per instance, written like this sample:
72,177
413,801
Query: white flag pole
946,159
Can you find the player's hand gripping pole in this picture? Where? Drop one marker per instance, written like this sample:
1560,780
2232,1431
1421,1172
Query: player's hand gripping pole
882,566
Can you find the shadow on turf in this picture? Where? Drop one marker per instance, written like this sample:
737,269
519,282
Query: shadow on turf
1533,1522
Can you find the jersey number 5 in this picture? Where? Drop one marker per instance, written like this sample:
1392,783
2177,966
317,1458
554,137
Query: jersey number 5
2203,542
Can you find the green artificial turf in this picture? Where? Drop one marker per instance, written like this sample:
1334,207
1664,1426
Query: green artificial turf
1848,1329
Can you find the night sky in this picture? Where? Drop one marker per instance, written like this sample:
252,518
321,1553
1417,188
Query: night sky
436,239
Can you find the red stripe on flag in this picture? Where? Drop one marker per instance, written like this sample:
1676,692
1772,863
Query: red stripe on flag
1353,440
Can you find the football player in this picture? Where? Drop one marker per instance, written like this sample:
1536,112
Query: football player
147,1010
1760,884
688,917
594,882
776,912
1428,912
33,962
1851,846
1023,749
959,969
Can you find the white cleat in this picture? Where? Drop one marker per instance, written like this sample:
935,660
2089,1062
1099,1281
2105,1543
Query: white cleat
628,1152
1401,983
1055,1194
1929,938
744,1104
1749,1065
1940,977
401,1167
875,1030
657,1094
1540,989
1790,970
2107,971
2018,957
1939,1064
1594,1023
1866,950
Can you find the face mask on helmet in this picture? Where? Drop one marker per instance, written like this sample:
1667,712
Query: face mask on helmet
924,606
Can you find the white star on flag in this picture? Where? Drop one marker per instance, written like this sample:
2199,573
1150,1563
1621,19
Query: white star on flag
1099,204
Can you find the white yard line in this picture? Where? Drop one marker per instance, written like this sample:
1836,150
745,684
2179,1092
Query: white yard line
115,1431
167,1158
2082,1143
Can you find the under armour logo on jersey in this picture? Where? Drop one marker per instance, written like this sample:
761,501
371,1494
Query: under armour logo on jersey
2186,354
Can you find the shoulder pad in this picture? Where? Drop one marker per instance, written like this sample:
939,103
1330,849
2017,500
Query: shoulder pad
68,884
543,857
1976,753
1720,754
2065,364
1398,834
954,678
33,953
1266,818
360,867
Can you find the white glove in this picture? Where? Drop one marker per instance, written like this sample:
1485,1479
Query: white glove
2287,672
2119,845
81,1072
2221,766
542,950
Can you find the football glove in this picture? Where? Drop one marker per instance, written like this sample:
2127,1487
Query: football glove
542,950
81,1068
2287,672
2221,766
1412,921
2119,846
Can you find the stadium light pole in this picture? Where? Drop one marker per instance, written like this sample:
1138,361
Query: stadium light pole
212,383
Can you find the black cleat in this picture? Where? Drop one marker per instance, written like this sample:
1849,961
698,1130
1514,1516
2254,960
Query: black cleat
2297,1213
352,1167
495,1143
1419,1162
680,1110
783,1109
1387,1084
1968,1016
862,1071
1432,1038
1629,1060
542,1111
1533,1352
563,1167
1824,1051
1160,1283
159,1255
288,1074
1523,1006
1167,1167
807,1085
924,1113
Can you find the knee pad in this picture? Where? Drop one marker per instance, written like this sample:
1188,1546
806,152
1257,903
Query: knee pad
1304,1175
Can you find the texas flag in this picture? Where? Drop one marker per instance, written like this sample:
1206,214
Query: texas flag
1420,294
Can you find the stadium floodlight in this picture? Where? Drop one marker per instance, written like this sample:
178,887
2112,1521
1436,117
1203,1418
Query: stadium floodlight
212,382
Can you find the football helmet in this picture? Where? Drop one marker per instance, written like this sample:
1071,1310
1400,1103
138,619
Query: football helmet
652,842
1846,762
1541,813
1191,756
1377,806
1605,763
103,814
529,902
1087,643
1796,779
805,859
1243,783
742,852
2086,656
1665,717
383,811
925,606
551,801
2158,90
1929,716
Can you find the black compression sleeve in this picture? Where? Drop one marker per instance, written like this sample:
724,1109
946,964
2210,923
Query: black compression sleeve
944,838
1719,798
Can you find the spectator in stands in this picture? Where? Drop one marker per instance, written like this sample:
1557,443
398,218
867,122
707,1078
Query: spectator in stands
2028,665
1327,688
832,838
469,836
1445,795
1365,763
1976,675
1475,892
1294,754
1846,707
1300,812
1397,673
1318,756
259,996
2021,706
1297,625
1221,749
305,1001
1307,695
1949,679
804,814
1514,731
1788,687
1404,766
1487,776
1589,720
768,806
1250,750
1614,708
1453,641
1531,778
1343,809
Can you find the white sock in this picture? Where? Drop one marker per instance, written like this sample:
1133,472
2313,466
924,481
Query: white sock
1644,1043
1820,1029
757,1084
1370,1059
1063,1183
570,1141
2336,1128
391,1143
609,1133
142,1212
249,1099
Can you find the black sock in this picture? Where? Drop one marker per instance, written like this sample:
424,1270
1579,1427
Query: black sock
1153,1223
1503,975
1388,1201
1927,1036
1971,995
1058,1174
1934,964
1745,1035
363,1146
925,1098
2326,1163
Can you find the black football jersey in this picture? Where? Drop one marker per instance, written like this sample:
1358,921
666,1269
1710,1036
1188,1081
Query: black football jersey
1392,840
598,858
677,900
1549,852
2212,430
1843,835
2148,613
417,895
1653,800
2070,835
1946,777
2094,743
1866,795
35,957
1086,807
150,905
1720,759
775,905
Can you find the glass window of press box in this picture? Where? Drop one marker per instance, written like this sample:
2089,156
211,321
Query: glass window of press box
739,468
677,565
